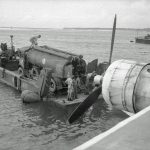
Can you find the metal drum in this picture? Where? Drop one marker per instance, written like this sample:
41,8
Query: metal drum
126,85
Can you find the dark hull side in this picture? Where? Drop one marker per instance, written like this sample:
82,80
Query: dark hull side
143,41
13,79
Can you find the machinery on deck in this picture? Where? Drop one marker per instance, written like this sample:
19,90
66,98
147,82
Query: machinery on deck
8,59
34,59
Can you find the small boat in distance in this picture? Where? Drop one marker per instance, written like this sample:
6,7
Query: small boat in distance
143,40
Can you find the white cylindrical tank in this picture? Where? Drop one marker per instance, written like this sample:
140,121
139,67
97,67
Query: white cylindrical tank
126,85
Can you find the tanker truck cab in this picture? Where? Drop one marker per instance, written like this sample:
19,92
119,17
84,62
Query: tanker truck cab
34,59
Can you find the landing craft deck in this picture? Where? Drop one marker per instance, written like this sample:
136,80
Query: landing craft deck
62,101
63,104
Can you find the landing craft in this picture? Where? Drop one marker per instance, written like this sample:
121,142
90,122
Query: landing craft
38,71
143,40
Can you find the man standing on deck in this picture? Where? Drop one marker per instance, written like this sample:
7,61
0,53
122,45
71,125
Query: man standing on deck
69,81
34,39
82,65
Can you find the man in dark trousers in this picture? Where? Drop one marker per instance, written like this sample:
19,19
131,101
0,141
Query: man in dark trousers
82,65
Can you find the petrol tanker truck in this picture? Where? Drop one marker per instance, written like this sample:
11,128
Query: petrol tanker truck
34,59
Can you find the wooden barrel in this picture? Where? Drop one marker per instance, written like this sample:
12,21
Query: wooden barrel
126,85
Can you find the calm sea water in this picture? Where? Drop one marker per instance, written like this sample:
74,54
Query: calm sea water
42,126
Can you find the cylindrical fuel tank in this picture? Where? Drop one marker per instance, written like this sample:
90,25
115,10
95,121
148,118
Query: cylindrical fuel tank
126,85
49,58
46,60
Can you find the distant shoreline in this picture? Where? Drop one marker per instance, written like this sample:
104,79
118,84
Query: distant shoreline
76,28
106,29
27,28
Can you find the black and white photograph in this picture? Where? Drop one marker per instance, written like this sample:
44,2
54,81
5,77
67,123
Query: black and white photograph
74,75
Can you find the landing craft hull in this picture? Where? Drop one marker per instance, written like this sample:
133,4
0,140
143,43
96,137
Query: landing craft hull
13,79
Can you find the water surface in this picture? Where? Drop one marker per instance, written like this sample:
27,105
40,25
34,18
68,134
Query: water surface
42,126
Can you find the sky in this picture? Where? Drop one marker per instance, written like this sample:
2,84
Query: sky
74,13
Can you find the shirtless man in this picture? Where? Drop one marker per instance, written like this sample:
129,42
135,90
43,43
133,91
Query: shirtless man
34,39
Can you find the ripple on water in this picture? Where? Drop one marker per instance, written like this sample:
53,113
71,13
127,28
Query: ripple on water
37,126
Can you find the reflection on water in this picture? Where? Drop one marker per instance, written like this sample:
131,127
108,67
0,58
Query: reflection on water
42,125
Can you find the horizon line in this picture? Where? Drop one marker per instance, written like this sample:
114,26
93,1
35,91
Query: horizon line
102,28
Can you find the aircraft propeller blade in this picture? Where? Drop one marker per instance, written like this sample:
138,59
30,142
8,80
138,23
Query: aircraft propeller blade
112,39
81,109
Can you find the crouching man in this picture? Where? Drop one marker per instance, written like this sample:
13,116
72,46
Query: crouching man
97,81
89,82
